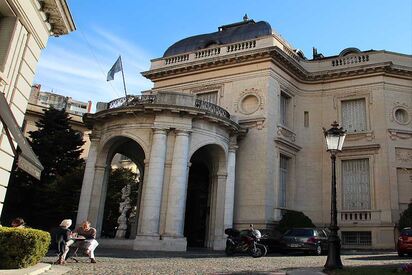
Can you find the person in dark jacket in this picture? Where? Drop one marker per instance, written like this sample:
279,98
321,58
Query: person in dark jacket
63,240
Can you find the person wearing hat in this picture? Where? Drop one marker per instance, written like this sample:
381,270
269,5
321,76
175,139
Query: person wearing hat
63,240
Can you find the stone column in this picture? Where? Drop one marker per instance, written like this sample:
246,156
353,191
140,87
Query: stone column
88,179
219,237
230,186
152,196
176,204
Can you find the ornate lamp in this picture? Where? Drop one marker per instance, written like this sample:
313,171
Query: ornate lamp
335,137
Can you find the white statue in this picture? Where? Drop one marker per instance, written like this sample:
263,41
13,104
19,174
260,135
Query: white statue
124,206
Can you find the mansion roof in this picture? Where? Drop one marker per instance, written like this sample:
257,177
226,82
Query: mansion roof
226,34
250,42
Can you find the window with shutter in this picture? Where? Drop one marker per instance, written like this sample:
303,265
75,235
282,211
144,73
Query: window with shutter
209,97
355,184
354,115
283,179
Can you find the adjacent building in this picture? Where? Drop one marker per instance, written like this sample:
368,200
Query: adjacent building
25,27
41,100
231,134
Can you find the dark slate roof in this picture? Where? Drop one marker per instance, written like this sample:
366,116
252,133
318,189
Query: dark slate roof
227,34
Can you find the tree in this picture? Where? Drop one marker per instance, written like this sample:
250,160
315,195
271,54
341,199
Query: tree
56,144
405,219
44,203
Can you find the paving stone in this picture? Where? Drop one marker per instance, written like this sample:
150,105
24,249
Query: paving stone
115,261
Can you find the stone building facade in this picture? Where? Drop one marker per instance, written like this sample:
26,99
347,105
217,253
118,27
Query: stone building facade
231,134
39,100
25,27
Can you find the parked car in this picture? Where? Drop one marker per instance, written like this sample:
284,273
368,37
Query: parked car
271,239
404,245
307,240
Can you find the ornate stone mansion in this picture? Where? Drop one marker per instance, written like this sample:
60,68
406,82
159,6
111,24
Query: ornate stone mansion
231,134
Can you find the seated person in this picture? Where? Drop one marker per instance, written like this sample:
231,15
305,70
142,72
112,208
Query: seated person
62,236
18,223
90,242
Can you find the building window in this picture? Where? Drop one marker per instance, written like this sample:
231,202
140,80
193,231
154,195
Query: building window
284,109
361,238
401,116
355,184
124,158
354,115
306,119
283,179
209,97
7,26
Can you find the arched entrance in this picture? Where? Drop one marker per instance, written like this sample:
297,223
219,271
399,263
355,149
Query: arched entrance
201,200
122,185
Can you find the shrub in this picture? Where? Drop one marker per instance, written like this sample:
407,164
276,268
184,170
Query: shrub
293,219
22,247
405,219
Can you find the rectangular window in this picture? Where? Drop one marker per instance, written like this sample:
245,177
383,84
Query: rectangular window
362,238
284,109
306,119
355,184
209,97
7,26
283,179
354,115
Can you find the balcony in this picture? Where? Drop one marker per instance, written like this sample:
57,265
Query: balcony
348,217
166,99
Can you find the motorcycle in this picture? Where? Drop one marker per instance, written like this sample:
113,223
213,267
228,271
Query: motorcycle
244,241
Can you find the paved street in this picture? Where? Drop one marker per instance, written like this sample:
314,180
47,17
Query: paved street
205,262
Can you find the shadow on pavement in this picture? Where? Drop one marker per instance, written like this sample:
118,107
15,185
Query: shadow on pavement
378,258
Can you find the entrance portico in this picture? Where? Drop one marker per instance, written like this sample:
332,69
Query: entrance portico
166,133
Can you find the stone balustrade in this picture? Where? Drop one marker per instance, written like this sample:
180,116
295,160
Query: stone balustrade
207,53
166,98
358,216
210,52
241,46
177,59
347,60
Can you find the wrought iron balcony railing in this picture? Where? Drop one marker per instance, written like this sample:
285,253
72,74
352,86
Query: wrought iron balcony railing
134,100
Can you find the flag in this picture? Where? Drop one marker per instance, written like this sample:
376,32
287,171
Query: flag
117,67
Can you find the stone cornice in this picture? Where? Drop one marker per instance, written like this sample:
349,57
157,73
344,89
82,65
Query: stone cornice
91,119
59,16
288,64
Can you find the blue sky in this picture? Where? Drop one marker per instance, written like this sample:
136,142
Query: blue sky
76,64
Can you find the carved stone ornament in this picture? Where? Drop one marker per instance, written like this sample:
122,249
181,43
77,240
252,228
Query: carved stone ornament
286,133
249,102
403,155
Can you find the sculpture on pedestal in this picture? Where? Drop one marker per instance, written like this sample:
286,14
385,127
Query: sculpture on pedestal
124,206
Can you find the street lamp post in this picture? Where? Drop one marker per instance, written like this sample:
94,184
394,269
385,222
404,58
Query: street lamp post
335,137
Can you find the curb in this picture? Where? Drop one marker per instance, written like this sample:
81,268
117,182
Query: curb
32,270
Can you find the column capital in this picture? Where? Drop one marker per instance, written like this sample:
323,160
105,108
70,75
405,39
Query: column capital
159,131
183,132
233,148
93,136
100,167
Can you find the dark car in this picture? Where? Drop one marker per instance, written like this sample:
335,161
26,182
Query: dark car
271,239
307,240
404,245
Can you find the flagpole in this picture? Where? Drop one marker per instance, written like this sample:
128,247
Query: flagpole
124,83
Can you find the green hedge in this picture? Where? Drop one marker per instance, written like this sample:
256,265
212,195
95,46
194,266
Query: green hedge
22,247
293,219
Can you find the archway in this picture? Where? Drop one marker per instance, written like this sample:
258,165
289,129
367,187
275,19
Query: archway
200,213
122,189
